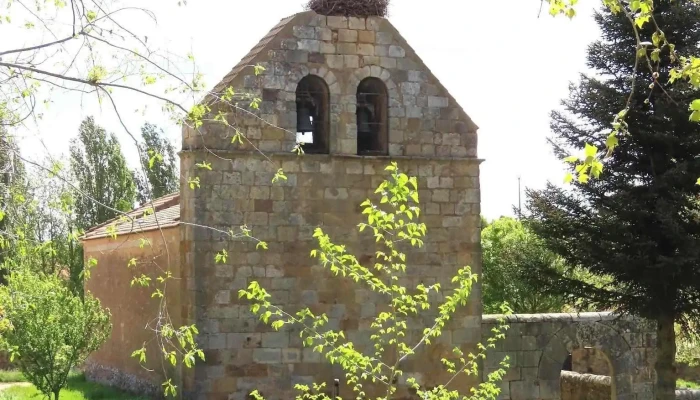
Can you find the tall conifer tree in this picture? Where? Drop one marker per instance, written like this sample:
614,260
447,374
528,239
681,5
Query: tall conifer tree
638,223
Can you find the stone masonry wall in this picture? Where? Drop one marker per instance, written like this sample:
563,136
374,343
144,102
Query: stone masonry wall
538,345
575,386
430,137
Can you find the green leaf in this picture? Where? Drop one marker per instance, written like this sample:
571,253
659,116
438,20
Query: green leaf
695,116
698,182
571,159
568,178
695,105
591,150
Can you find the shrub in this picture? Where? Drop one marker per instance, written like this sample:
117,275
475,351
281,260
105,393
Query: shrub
49,329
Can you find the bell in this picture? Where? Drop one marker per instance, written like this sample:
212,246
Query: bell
363,121
305,121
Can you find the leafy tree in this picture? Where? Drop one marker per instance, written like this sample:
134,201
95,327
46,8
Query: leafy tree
49,329
158,156
392,220
638,223
510,251
105,183
11,180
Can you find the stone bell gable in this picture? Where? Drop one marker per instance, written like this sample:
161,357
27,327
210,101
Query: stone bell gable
422,119
357,96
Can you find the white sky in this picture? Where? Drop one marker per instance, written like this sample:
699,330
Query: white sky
504,65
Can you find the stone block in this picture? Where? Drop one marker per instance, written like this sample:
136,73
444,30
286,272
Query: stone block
336,194
223,271
275,340
216,341
309,297
347,48
309,45
410,88
296,56
335,61
466,336
351,61
367,37
289,44
304,32
384,38
381,51
267,356
223,297
310,356
406,64
316,58
397,52
323,33
291,356
328,48
370,60
347,35
243,340
337,22
357,23
524,390
365,49
530,358
287,234
439,102
385,62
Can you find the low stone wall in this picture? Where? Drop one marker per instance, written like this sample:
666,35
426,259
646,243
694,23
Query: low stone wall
687,394
539,344
575,386
117,379
688,373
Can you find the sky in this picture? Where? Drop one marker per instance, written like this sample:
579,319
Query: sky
507,66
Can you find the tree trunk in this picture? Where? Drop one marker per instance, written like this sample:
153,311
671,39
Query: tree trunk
665,358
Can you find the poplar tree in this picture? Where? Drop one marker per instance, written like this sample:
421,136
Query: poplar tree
106,185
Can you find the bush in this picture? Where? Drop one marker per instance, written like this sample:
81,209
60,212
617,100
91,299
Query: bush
49,329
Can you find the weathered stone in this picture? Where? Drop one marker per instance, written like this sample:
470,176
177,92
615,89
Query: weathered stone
397,52
309,45
305,32
337,22
347,35
267,356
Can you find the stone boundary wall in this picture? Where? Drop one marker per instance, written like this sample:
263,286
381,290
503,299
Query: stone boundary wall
575,386
687,372
115,378
538,345
687,394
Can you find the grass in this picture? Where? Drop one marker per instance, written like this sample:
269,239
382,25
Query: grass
11,376
77,389
683,384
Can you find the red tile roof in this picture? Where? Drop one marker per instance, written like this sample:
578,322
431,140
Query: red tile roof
158,214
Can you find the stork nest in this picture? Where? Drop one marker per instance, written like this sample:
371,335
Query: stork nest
350,8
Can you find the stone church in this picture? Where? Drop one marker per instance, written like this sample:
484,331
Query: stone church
355,96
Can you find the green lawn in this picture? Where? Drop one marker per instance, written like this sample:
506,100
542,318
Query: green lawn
77,389
683,384
11,376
